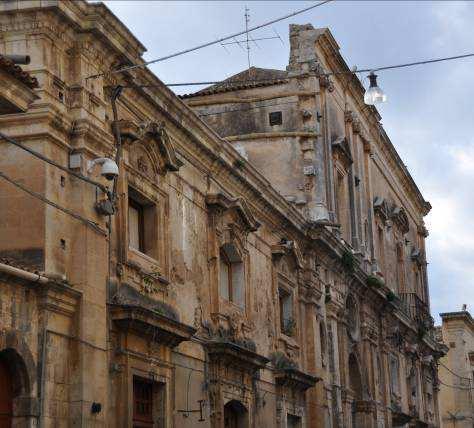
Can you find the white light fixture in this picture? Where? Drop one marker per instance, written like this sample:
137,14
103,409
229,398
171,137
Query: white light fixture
109,167
374,95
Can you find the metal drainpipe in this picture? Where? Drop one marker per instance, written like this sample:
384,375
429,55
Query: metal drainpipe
23,274
43,371
118,138
19,59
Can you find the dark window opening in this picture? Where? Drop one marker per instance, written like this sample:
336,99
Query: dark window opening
142,224
275,118
287,321
136,225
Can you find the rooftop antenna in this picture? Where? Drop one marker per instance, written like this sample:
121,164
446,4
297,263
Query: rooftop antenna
247,20
249,39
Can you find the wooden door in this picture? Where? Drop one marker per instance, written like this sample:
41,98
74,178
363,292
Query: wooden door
6,396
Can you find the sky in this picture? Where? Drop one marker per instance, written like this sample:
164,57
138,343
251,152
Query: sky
428,116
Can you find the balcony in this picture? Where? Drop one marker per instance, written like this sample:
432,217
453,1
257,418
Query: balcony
417,310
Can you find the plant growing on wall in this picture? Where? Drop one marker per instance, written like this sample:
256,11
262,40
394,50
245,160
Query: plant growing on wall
391,297
289,326
373,281
348,261
422,331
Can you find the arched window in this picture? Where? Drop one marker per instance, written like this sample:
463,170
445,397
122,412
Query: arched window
352,317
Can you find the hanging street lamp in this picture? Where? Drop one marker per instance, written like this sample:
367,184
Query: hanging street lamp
374,95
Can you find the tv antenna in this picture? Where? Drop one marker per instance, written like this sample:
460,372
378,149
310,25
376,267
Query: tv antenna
245,44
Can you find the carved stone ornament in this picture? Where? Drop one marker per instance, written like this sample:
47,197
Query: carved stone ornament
156,151
285,247
422,230
381,208
349,116
341,148
400,219
151,324
223,203
326,82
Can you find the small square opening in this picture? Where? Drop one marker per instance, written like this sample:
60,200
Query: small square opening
275,118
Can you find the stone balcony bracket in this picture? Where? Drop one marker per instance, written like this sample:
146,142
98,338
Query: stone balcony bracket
151,324
295,379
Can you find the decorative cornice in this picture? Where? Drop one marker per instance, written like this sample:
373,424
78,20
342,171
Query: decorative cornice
295,379
225,203
231,354
288,247
150,324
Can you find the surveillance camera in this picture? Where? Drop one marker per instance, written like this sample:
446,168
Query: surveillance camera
109,167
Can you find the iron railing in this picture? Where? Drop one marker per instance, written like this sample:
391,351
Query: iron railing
417,309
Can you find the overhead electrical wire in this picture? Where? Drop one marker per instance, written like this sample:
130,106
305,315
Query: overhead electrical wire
51,162
36,195
333,73
204,45
408,64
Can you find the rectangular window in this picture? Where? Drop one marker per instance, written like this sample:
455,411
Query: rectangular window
135,226
381,245
394,375
287,321
400,269
275,118
142,224
293,421
231,278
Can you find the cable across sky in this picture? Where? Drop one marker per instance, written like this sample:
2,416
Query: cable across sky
222,39
333,73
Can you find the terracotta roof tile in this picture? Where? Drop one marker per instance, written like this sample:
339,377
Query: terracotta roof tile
251,78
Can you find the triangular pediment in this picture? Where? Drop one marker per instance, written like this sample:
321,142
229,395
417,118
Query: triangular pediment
237,206
288,248
154,139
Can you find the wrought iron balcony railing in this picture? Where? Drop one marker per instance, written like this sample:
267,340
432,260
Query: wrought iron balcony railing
417,309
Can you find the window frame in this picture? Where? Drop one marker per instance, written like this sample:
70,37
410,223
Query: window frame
141,224
156,262
232,285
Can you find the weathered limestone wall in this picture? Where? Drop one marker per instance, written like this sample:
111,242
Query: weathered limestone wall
304,314
456,371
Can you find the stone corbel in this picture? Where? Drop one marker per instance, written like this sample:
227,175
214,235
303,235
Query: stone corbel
422,230
326,83
349,116
400,218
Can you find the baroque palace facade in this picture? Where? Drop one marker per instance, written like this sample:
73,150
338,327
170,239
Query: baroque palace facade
259,268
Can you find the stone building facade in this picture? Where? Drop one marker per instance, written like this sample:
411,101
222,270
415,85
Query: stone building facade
456,370
199,288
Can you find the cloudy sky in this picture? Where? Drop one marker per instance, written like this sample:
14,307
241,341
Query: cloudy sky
429,114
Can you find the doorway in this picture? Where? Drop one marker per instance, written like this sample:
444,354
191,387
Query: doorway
6,395
235,415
